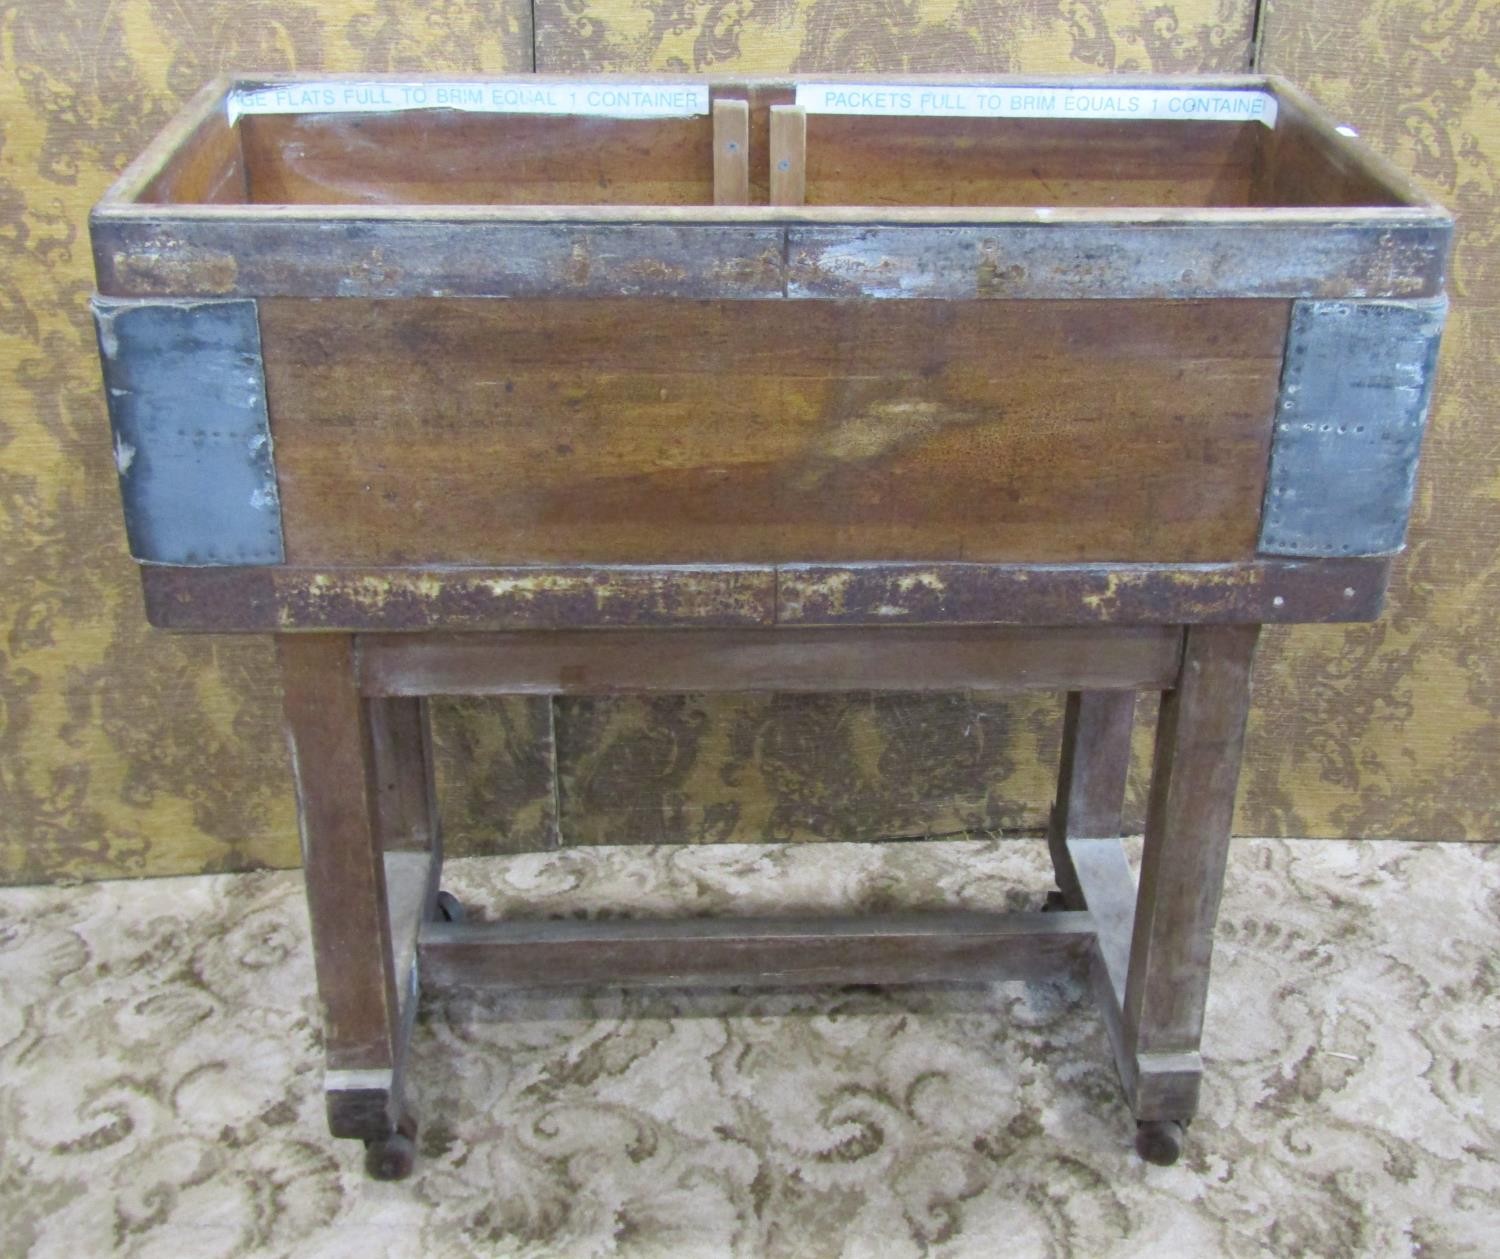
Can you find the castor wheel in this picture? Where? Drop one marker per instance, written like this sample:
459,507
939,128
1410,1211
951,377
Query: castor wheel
1055,903
450,908
1158,1141
391,1157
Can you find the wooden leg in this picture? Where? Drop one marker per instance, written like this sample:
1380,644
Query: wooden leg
401,741
1091,779
1199,739
407,816
367,1006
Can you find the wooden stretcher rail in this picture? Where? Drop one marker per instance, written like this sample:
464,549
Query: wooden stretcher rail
645,661
287,598
871,949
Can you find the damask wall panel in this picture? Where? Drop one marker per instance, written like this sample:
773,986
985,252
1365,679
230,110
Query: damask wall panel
1394,728
776,36
127,751
496,766
123,750
788,767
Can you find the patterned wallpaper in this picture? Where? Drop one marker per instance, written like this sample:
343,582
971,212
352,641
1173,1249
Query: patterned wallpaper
126,751
1394,728
771,36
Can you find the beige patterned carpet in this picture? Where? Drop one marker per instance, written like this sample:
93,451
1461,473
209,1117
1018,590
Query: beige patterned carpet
159,1078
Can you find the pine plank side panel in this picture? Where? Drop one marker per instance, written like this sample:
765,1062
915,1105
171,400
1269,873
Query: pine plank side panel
443,157
855,160
645,431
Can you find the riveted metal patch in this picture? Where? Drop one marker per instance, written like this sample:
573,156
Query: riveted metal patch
187,403
1355,389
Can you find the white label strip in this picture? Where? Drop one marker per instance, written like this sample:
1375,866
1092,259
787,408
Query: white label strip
608,99
1039,101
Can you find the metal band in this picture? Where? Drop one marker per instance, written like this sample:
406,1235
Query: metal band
1107,260
246,255
370,1080
187,403
1355,390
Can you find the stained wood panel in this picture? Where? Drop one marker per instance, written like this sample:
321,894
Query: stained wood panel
671,432
427,157
207,168
1037,161
442,157
1304,163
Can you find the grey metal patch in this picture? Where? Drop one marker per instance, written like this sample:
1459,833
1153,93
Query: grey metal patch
1355,389
187,403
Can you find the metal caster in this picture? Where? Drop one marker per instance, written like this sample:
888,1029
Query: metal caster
392,1157
1158,1141
450,908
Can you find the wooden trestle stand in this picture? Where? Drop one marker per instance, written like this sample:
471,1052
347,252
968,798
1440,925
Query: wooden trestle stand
762,395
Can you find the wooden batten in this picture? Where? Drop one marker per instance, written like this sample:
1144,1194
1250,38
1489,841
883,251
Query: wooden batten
731,152
411,880
1099,872
788,155
1108,889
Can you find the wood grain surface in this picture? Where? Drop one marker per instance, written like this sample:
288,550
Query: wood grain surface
1035,161
343,851
674,432
870,949
446,157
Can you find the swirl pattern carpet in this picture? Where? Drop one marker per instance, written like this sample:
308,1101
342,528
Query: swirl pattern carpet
160,1076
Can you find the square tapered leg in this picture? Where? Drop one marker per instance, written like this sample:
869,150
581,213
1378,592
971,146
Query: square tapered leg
371,856
1091,780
